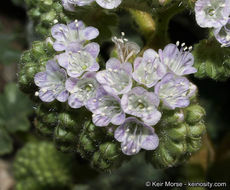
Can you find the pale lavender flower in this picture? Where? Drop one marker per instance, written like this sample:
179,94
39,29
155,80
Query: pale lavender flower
135,135
73,32
82,90
109,4
222,34
78,59
117,78
143,104
174,91
212,13
148,70
68,6
52,83
180,62
106,109
192,90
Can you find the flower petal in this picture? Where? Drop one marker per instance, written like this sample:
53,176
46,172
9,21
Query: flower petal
93,49
135,135
74,102
90,33
109,4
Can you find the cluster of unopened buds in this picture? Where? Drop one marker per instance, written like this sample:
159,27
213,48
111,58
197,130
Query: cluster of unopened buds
215,14
107,4
129,95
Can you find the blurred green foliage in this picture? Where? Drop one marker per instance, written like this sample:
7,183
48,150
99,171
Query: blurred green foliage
15,108
38,165
8,53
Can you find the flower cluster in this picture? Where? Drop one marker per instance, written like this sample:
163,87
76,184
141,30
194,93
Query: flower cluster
107,4
215,14
129,95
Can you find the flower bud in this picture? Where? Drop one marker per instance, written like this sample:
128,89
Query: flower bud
194,114
49,17
67,120
208,64
196,131
177,133
194,145
175,148
173,117
37,49
43,129
45,5
108,157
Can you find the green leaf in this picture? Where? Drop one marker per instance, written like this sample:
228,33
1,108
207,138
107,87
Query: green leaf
14,109
5,142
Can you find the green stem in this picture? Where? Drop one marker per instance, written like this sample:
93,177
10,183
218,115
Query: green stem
162,19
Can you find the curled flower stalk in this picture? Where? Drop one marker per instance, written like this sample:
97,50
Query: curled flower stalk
109,109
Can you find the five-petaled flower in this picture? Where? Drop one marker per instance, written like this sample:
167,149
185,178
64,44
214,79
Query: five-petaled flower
106,109
178,61
107,4
117,78
135,135
70,33
174,91
82,90
143,104
148,70
68,6
78,59
212,13
52,83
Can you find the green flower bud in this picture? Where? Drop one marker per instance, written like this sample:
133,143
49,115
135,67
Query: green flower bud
32,62
68,120
177,133
37,49
44,129
86,144
89,138
194,114
64,135
172,117
98,162
194,145
177,142
108,157
196,131
210,65
48,18
34,13
25,57
175,148
45,5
